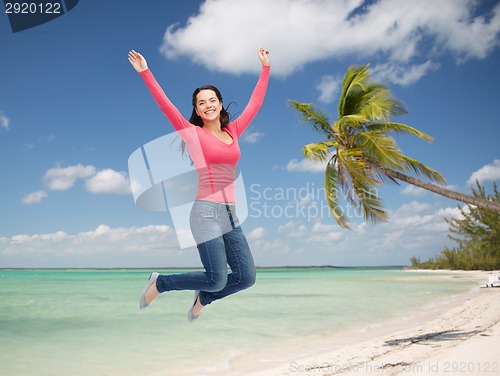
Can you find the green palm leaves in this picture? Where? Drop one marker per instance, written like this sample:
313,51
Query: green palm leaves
359,148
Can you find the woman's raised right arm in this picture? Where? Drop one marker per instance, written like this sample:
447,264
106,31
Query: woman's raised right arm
139,63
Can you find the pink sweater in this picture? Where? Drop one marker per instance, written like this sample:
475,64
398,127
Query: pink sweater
215,161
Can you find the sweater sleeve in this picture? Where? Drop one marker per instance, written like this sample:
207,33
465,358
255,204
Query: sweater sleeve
167,107
255,103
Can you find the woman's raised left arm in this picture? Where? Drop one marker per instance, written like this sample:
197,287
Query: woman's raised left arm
257,97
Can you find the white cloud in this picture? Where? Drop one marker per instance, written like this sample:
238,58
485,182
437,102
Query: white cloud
328,87
98,182
63,178
4,121
105,181
101,240
320,227
252,137
224,35
34,198
326,235
109,181
418,219
403,74
452,212
490,172
327,238
256,233
415,228
266,250
293,230
305,165
412,190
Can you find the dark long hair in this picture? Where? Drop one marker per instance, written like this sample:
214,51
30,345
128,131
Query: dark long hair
196,119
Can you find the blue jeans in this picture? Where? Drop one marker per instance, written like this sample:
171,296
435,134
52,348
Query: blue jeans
221,242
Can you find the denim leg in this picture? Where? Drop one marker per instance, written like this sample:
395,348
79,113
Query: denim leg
220,242
240,260
214,278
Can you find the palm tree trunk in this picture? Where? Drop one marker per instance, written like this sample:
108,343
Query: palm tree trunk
471,200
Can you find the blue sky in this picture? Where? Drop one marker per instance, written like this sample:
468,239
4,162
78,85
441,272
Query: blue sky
72,110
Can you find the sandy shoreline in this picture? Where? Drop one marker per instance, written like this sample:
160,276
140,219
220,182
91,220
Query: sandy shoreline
459,336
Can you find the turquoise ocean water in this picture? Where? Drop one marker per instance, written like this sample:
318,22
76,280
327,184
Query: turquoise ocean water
88,322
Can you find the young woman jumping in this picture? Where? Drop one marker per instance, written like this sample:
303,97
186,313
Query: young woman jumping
212,143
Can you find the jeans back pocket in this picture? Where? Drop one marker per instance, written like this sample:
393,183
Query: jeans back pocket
206,214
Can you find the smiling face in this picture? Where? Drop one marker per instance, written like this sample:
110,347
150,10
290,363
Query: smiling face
208,106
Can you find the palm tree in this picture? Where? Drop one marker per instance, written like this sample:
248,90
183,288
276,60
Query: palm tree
361,153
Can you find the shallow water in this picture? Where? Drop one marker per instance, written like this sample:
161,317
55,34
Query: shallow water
87,322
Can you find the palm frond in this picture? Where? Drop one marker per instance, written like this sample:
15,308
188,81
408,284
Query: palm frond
360,191
398,128
353,83
318,151
343,176
372,99
332,196
380,147
354,119
348,125
409,166
418,168
354,165
379,104
370,202
310,114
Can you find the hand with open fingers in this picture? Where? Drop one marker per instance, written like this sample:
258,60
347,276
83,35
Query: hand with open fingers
263,57
138,61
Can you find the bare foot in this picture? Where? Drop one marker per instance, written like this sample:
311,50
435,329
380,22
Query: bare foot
151,294
198,307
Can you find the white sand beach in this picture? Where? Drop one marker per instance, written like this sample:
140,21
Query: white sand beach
459,336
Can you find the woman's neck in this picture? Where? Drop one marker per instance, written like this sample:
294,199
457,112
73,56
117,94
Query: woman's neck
213,126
